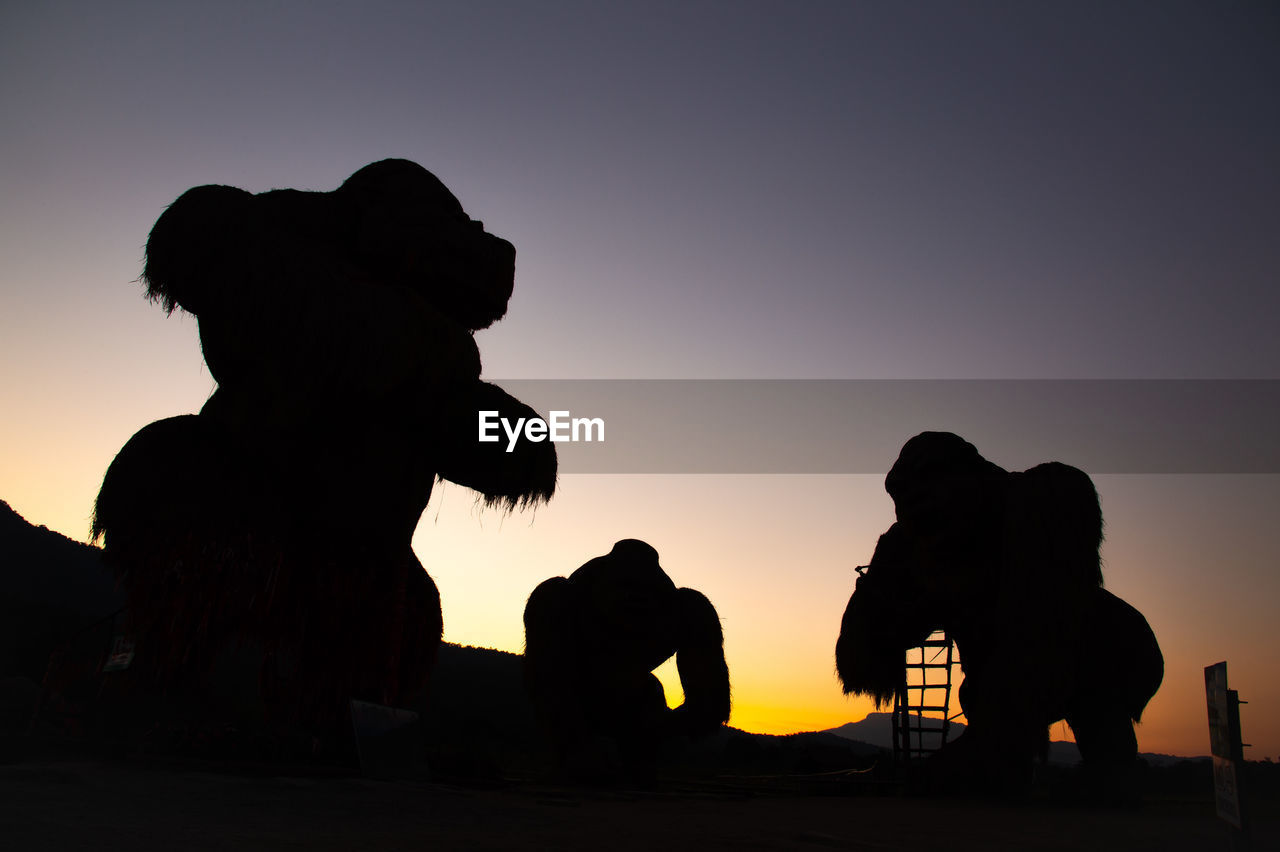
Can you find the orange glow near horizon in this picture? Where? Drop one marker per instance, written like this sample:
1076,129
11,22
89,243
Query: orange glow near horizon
765,718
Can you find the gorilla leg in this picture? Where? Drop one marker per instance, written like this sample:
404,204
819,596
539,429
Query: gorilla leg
1004,736
639,708
1104,735
1108,751
1119,668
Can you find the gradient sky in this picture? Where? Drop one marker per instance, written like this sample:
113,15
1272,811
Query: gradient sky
701,190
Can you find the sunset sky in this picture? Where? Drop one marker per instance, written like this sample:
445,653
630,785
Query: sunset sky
698,190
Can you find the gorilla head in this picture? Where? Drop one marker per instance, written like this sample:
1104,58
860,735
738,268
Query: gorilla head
627,596
936,473
392,222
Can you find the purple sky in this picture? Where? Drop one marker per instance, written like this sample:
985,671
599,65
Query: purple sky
695,190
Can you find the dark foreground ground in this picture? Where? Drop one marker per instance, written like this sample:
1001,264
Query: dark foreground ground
72,803
481,781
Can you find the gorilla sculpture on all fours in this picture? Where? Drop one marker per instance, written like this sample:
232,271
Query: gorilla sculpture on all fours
339,328
592,641
1007,564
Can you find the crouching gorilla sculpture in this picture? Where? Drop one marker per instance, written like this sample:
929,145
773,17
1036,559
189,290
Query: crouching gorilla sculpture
339,328
592,641
1007,564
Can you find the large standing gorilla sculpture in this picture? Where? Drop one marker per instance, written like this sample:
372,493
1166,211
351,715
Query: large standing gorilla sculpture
339,328
592,641
1007,564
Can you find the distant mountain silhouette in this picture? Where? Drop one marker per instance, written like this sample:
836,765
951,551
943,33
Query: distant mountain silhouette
877,729
54,587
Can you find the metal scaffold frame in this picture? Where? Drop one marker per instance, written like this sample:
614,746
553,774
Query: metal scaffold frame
926,688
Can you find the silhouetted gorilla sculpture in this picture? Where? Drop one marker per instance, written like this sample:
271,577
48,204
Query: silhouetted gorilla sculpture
591,642
1007,564
339,327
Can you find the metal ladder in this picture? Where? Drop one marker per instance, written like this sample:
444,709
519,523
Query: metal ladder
926,688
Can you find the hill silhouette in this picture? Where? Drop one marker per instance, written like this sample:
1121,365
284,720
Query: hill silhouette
54,587
877,729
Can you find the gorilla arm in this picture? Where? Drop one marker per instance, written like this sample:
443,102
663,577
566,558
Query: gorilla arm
704,676
515,477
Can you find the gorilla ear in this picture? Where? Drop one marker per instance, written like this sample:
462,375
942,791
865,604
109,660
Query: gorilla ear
190,252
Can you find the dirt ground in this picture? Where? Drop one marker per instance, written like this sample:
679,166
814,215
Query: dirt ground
74,804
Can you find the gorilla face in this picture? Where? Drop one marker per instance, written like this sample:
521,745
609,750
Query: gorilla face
938,476
632,601
409,229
